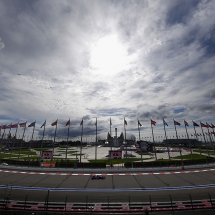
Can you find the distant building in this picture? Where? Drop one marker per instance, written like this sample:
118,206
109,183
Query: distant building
116,141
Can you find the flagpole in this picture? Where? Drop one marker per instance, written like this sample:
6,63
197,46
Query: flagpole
154,141
164,127
178,141
3,135
21,141
14,140
188,140
54,143
126,152
138,124
110,133
200,146
96,142
213,134
81,138
31,141
41,146
9,134
210,137
7,142
204,139
67,139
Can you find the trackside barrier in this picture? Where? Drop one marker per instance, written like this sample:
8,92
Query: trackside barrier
129,207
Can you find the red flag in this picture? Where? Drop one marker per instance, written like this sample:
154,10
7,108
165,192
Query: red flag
3,126
81,123
186,123
203,125
68,123
14,125
22,124
54,123
176,123
153,122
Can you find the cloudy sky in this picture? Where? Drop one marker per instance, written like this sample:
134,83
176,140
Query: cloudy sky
62,59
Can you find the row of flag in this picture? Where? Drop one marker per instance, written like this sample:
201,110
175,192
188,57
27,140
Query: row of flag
185,123
24,124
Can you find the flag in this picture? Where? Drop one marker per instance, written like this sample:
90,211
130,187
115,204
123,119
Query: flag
208,125
32,124
44,124
125,122
54,123
110,121
22,124
81,123
139,123
68,123
96,122
153,122
186,123
203,125
14,125
212,125
195,124
164,122
176,123
3,126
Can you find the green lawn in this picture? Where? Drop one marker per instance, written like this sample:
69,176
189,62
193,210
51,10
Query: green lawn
211,152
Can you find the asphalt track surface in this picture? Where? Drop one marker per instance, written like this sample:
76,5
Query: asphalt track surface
124,185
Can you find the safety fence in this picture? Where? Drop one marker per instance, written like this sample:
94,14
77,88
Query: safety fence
107,207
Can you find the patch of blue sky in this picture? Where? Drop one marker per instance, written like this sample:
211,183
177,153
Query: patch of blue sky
179,110
3,117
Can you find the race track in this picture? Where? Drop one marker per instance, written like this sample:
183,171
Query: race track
137,187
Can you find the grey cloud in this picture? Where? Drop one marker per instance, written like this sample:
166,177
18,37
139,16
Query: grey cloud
1,44
169,61
210,94
181,11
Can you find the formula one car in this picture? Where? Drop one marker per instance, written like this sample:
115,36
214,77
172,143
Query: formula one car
97,177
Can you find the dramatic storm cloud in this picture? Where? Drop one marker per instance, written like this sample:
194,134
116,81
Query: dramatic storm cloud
104,58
